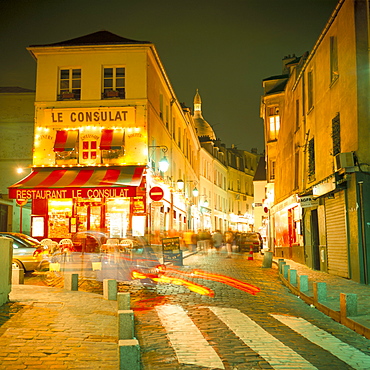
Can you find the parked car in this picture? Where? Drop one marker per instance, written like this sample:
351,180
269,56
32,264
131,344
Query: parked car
251,239
27,251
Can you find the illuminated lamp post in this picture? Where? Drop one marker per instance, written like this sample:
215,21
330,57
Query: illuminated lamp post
195,192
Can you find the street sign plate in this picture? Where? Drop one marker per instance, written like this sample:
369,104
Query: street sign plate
156,193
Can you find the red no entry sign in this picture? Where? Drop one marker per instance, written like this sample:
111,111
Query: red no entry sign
21,202
156,193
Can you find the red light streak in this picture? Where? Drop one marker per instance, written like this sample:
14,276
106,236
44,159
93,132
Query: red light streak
248,288
200,289
173,280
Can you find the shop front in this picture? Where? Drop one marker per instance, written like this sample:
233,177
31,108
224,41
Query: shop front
288,240
67,201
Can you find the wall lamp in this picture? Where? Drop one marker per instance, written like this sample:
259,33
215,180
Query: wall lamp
163,163
181,185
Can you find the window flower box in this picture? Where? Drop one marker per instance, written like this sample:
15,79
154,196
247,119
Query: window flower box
68,95
111,94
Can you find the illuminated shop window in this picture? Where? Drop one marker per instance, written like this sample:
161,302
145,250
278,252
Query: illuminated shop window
114,83
70,84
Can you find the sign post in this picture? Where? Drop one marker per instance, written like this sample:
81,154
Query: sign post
21,203
171,251
156,193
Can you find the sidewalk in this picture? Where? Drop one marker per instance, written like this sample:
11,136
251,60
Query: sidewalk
53,328
330,303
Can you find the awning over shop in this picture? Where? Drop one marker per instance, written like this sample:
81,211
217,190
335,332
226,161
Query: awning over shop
65,140
76,182
111,139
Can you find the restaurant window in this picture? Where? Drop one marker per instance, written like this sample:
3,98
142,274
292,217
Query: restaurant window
69,84
65,146
59,216
89,214
112,145
274,123
114,83
311,160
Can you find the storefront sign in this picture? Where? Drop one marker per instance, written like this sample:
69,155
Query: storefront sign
138,205
88,115
287,203
171,251
65,193
324,187
308,201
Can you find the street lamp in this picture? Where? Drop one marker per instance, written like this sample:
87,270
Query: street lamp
195,192
163,163
181,185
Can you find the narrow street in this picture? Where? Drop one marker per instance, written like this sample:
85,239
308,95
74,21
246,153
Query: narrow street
180,329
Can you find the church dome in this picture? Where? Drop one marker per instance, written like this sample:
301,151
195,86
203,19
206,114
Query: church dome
204,129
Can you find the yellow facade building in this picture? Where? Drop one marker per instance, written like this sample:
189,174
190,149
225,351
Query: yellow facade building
318,163
105,117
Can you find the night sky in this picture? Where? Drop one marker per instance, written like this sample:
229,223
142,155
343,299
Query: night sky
224,48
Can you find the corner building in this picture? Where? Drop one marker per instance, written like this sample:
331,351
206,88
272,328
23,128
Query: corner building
105,116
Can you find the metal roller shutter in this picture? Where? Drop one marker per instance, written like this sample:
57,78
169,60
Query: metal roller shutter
336,235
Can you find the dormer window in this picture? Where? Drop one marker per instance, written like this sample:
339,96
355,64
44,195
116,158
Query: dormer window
114,83
70,84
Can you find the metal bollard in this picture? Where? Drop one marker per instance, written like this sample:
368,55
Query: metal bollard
348,304
285,271
303,283
17,276
129,354
282,263
110,289
125,324
292,276
267,260
319,292
123,300
71,282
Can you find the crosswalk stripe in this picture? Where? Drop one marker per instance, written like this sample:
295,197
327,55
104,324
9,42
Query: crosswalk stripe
188,342
352,356
277,354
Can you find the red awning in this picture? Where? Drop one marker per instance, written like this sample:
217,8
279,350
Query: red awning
65,140
62,181
111,139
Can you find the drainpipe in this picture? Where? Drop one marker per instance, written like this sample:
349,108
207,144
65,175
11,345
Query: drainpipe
363,238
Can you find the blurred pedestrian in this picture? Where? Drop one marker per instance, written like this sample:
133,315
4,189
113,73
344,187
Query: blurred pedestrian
217,239
190,240
229,239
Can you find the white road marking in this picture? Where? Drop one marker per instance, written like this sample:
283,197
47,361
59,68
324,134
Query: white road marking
277,354
352,356
187,340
